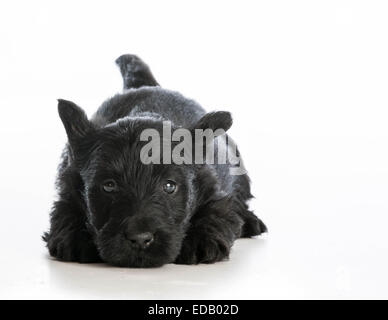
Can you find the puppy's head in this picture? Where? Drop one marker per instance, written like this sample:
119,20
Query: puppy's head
137,212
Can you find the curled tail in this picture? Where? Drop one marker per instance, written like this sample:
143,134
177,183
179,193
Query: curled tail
135,72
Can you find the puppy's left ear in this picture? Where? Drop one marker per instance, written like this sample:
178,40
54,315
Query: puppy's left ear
215,120
74,119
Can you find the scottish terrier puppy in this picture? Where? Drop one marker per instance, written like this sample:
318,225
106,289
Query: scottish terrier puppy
116,207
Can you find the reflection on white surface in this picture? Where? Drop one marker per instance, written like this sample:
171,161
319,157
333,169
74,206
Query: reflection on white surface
169,281
43,277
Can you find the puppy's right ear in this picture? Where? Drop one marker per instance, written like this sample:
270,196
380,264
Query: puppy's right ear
74,120
215,120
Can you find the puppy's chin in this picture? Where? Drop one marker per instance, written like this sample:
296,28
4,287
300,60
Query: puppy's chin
134,260
118,252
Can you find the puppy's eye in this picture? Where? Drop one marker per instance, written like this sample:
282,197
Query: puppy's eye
169,186
109,186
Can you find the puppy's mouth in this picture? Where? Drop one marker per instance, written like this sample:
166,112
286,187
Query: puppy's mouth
139,255
123,251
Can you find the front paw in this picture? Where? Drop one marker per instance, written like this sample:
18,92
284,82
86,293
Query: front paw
203,249
76,249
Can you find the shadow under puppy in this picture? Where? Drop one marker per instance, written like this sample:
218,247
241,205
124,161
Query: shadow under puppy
113,207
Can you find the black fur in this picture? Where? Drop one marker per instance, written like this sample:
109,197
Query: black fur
198,223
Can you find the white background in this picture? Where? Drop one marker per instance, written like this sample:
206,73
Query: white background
306,82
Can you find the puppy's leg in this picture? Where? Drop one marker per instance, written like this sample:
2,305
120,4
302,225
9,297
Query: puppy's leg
211,234
68,239
135,72
252,226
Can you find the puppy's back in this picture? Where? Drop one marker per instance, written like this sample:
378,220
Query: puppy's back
169,105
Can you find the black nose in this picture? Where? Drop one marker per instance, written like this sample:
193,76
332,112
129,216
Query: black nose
141,240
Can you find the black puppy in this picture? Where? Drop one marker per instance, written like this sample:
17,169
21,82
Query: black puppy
115,208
